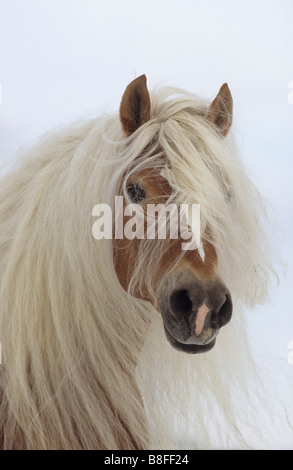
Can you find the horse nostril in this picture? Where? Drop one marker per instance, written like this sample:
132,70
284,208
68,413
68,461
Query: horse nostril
201,307
225,313
180,302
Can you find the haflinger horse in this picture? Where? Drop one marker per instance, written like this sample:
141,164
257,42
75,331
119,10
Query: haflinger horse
94,333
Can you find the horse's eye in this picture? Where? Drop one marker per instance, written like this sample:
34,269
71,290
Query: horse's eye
135,192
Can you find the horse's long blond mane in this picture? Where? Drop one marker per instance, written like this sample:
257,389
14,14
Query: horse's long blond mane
75,346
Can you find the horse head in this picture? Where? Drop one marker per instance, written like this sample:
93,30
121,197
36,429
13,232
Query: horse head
190,295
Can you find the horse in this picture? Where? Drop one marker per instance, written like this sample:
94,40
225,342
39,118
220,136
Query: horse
131,343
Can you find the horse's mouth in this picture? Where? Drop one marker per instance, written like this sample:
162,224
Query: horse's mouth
193,311
191,348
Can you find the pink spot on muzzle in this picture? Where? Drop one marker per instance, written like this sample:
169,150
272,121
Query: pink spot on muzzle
200,318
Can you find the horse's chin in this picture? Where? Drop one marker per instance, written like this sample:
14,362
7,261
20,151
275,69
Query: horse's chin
190,348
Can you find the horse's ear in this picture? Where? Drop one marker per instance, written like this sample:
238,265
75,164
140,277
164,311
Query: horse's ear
221,109
135,105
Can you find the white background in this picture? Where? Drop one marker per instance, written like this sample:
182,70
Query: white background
63,59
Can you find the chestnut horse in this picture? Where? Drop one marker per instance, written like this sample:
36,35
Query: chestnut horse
93,331
193,300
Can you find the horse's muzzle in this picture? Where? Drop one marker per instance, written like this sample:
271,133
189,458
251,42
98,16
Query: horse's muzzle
194,310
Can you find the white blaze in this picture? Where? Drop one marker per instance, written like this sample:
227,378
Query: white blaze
200,318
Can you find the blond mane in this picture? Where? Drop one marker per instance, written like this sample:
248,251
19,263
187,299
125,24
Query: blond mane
76,348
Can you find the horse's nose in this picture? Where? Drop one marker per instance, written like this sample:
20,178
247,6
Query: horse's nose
202,305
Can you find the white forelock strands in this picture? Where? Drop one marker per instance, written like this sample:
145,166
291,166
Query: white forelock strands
76,348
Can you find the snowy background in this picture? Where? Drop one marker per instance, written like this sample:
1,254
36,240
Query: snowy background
63,59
